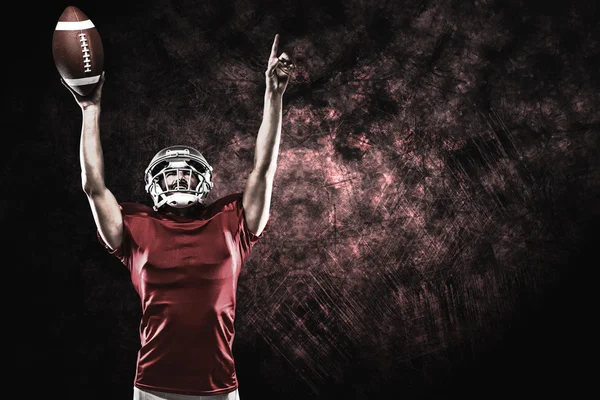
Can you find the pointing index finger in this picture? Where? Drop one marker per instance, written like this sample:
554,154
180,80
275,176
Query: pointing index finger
275,46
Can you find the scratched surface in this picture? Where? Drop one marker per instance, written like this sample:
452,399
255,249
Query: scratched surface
436,191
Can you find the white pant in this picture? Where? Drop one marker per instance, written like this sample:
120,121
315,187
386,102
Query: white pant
139,394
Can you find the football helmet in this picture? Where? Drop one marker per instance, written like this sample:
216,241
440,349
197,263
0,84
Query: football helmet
175,160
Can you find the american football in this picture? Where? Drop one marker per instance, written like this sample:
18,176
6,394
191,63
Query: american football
77,51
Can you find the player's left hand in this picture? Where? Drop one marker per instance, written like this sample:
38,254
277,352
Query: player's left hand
278,69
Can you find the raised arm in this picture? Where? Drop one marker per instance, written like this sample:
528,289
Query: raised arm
259,186
105,208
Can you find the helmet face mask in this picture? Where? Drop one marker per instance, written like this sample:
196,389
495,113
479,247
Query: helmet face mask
186,170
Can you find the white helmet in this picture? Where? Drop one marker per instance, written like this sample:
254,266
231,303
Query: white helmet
174,159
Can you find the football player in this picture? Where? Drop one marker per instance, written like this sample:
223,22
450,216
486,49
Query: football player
184,255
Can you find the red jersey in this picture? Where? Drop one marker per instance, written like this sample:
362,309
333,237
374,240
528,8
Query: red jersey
185,270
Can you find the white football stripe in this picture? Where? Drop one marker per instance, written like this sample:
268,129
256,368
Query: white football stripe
82,81
74,26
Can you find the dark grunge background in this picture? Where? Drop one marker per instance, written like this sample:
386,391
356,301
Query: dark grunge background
435,208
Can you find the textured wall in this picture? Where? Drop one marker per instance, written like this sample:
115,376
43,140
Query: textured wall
436,192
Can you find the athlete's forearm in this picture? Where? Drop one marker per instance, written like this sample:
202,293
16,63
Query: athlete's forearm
269,134
90,151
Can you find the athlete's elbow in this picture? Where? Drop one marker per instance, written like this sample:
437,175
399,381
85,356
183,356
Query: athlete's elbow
265,170
91,187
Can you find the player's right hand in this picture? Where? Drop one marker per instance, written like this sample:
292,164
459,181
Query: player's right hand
93,99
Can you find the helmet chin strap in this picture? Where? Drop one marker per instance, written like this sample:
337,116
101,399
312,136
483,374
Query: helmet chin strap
181,200
178,200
